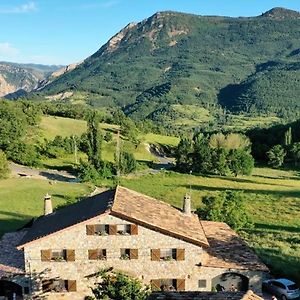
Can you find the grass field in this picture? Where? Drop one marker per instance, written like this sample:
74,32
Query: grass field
273,201
21,199
53,126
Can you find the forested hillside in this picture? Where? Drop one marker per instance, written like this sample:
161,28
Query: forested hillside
244,64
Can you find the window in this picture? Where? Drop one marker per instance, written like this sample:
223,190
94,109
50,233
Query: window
101,229
58,255
123,229
128,254
167,254
168,284
202,283
58,286
112,229
97,254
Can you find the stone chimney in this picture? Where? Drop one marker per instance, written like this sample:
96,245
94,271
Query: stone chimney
47,205
187,205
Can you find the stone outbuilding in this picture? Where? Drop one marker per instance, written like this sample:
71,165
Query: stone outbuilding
149,239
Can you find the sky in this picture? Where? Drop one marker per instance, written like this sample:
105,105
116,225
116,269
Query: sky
66,31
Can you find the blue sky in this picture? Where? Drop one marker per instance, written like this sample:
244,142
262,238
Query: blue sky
66,31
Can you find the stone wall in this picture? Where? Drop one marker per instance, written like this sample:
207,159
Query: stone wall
143,268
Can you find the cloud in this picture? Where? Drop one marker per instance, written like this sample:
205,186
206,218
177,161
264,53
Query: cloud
19,9
6,49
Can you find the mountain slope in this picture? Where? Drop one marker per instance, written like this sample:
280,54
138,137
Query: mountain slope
181,59
15,78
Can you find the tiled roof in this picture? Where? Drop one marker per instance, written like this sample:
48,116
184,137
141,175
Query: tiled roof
204,296
69,216
157,215
11,259
228,250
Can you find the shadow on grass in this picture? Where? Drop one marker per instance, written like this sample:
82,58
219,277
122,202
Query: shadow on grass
244,180
245,190
272,227
13,222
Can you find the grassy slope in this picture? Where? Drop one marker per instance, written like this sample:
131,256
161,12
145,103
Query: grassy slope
21,199
273,201
52,126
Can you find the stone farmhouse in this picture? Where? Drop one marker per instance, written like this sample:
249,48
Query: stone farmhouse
170,249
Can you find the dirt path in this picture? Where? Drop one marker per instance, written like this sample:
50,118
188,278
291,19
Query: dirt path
28,172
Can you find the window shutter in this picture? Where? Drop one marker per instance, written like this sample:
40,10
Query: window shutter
90,229
133,253
45,255
180,284
180,254
93,254
155,254
71,285
133,229
70,255
155,284
112,229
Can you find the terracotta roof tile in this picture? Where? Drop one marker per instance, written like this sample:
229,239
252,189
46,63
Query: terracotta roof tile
228,250
11,259
158,215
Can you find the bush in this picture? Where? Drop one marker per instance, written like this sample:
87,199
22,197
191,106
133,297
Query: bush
4,168
24,154
117,285
228,207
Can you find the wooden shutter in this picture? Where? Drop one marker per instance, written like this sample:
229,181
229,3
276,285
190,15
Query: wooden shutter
180,254
133,253
155,254
134,229
90,229
180,284
112,229
70,255
71,285
93,254
45,255
155,284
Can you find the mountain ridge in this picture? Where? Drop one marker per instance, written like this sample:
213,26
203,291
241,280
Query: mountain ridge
194,56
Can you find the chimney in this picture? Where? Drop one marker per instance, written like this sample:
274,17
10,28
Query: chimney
47,205
187,205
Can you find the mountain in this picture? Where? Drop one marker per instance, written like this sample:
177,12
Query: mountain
173,59
20,78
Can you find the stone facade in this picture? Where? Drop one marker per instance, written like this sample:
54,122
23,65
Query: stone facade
143,267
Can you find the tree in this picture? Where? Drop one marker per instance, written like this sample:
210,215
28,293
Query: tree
4,168
183,154
127,163
240,162
295,150
219,161
118,286
94,140
276,156
228,207
288,137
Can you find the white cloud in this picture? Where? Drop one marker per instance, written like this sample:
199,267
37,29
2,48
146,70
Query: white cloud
19,9
7,50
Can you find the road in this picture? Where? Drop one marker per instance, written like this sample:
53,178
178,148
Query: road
28,172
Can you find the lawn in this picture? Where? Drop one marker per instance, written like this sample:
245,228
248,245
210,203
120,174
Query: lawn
272,198
52,126
22,198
